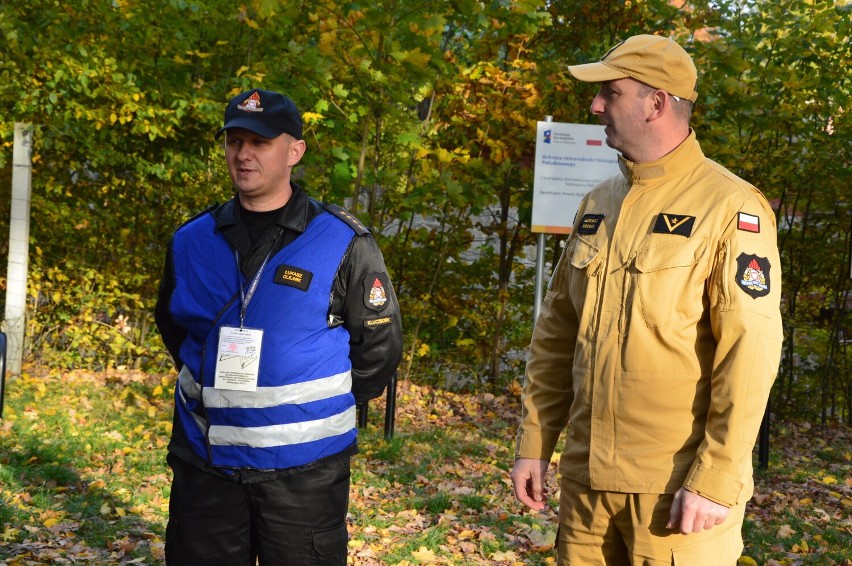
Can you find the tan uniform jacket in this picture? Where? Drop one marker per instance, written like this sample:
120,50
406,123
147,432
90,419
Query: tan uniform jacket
660,334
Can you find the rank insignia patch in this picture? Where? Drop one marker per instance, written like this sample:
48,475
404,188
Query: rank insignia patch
748,223
375,291
293,277
674,224
590,224
753,275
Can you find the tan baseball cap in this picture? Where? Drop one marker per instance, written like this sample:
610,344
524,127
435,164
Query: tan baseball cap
656,61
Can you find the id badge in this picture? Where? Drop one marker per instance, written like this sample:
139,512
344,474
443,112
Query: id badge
238,360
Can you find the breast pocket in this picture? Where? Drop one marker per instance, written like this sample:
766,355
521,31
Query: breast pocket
583,254
582,281
579,255
669,282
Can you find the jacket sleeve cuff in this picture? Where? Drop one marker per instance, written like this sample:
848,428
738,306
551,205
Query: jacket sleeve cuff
539,446
713,485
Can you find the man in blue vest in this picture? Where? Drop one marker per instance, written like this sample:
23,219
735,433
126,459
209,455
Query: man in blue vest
280,316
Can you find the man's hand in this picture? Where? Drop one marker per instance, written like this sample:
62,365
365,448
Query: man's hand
692,513
528,479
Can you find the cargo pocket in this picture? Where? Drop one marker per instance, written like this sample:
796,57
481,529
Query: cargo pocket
723,548
330,546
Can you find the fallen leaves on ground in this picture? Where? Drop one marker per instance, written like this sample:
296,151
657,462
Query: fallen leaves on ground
83,480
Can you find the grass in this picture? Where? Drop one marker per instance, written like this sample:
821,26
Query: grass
83,479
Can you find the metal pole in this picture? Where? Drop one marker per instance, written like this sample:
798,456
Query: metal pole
763,441
539,264
2,370
390,408
539,275
362,413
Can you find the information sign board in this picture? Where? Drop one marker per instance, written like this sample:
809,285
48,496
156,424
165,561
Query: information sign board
570,159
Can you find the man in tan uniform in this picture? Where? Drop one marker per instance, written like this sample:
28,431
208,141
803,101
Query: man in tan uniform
659,336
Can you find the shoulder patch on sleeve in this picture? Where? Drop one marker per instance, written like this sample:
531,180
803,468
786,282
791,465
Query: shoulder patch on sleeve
748,222
347,217
375,294
753,275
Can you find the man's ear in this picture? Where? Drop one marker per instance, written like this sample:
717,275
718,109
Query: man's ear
296,151
660,99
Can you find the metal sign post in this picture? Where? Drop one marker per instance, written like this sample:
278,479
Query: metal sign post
763,441
2,370
390,410
539,263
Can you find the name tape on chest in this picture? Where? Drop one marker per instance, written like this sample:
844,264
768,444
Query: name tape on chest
590,224
293,277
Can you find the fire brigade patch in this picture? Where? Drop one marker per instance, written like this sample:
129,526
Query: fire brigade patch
251,104
590,224
753,275
375,293
674,224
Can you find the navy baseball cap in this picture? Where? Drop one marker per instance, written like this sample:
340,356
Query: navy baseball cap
263,112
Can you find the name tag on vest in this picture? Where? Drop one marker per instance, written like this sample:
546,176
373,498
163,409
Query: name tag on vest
293,277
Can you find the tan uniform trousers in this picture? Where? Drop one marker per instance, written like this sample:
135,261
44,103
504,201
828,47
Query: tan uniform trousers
603,528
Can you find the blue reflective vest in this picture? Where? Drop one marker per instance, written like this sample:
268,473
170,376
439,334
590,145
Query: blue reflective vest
303,408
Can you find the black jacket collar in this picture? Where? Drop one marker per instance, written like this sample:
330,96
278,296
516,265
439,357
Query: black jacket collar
291,222
294,216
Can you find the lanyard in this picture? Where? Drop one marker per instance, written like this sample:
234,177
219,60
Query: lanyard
245,298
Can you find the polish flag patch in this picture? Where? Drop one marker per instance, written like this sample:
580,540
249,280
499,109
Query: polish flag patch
748,223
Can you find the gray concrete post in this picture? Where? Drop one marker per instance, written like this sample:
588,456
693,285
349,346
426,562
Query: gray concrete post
19,236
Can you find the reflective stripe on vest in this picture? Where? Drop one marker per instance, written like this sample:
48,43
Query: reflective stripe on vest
293,393
283,434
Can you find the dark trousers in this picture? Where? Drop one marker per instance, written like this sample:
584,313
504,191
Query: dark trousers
298,520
